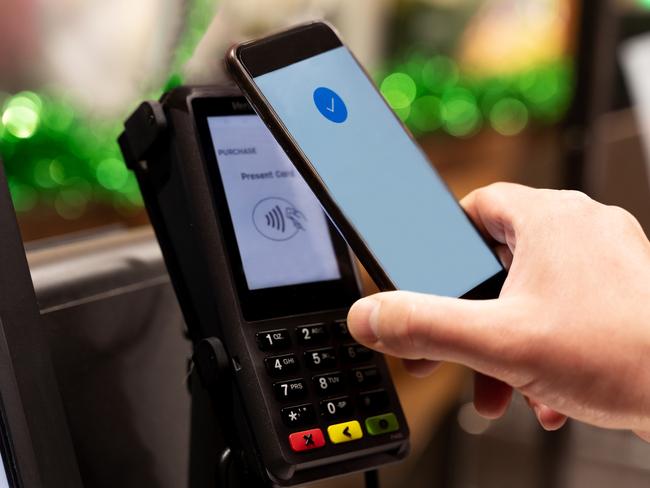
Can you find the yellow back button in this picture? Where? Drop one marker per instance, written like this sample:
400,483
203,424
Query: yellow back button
345,432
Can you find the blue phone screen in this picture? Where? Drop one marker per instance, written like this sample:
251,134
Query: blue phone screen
378,177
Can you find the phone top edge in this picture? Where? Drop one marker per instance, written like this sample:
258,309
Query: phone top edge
258,59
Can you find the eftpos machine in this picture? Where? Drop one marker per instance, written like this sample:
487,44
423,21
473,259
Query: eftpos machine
265,282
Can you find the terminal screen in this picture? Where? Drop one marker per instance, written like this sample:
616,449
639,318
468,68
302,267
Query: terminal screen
283,234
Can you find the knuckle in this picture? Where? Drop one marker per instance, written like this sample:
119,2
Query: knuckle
492,194
575,201
576,196
492,191
569,205
622,217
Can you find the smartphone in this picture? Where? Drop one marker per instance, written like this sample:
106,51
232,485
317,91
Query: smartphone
369,174
256,263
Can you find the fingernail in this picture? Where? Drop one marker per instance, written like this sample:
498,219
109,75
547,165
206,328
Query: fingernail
363,320
550,419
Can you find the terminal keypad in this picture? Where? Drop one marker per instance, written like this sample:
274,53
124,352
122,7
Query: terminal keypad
322,361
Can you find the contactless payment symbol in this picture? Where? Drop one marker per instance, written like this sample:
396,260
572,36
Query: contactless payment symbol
330,104
278,219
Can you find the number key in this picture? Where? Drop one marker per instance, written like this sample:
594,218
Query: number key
336,408
366,377
340,330
312,334
289,390
298,416
280,365
320,358
356,353
373,401
273,339
329,383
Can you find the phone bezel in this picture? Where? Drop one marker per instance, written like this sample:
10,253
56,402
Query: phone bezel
254,58
268,303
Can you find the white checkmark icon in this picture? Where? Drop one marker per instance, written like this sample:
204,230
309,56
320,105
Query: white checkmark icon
331,109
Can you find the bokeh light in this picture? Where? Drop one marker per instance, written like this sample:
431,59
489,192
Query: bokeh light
58,116
70,203
509,116
24,197
21,115
399,90
425,114
433,93
112,173
439,73
460,114
58,154
43,175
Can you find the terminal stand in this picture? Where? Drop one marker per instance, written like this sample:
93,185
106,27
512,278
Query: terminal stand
216,457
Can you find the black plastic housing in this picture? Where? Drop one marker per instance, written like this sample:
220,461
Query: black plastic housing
178,194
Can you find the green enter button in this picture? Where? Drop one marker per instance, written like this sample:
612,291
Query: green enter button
382,424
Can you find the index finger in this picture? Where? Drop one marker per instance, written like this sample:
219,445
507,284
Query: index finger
497,209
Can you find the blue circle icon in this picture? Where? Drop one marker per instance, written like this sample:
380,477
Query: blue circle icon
330,105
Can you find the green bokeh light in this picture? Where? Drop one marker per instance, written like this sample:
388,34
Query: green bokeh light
58,116
399,90
43,175
112,173
403,113
460,113
57,171
21,115
439,73
57,154
544,91
425,114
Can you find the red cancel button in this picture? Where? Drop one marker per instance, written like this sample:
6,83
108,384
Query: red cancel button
306,440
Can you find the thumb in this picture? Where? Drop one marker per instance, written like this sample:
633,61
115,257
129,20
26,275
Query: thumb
485,335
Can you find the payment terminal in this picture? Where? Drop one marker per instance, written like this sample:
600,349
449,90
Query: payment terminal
265,283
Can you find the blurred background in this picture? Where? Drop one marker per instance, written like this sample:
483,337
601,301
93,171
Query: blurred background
550,93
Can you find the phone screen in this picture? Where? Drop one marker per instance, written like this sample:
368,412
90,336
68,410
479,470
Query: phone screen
378,177
282,232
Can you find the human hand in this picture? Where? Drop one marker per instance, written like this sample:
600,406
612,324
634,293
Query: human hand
570,329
